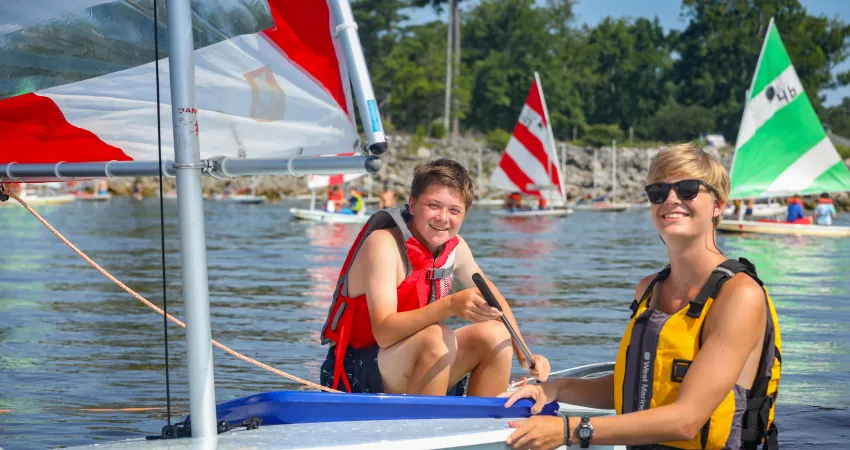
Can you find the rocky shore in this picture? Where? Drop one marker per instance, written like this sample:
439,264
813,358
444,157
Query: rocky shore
407,151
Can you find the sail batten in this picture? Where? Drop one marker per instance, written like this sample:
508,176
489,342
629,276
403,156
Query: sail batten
529,163
782,147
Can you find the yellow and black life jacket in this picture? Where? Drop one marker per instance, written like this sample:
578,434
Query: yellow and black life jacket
657,349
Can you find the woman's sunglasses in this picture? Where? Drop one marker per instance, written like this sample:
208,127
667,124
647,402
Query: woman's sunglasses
657,193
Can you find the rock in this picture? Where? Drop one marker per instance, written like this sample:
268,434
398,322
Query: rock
407,151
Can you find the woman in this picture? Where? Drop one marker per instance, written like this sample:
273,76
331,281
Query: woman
698,366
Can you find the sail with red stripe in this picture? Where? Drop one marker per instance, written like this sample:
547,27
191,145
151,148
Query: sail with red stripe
530,162
271,81
321,181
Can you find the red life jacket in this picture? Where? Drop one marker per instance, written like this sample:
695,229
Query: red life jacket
825,200
427,280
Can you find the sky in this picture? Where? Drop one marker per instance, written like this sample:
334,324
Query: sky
592,12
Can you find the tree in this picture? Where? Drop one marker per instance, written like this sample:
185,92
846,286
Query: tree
454,8
632,60
720,47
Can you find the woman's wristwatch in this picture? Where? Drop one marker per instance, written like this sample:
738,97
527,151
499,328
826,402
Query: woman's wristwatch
585,432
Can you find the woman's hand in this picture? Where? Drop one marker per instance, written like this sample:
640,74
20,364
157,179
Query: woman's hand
470,305
542,394
537,433
541,368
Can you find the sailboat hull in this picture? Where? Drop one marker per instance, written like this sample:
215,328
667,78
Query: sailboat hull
327,217
293,419
241,199
533,213
466,434
779,228
603,207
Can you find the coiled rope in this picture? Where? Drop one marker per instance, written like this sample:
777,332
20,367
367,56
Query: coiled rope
156,308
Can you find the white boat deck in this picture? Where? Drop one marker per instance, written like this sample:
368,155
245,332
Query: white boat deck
467,434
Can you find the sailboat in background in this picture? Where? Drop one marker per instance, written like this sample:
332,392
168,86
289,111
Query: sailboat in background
782,148
315,182
603,204
530,164
241,196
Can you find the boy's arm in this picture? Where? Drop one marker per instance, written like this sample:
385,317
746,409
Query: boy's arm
465,267
377,265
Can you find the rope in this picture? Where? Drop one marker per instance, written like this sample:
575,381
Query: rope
161,215
157,309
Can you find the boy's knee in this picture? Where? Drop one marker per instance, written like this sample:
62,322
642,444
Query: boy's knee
438,341
493,334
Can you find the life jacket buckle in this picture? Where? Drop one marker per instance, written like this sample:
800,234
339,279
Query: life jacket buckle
430,274
695,309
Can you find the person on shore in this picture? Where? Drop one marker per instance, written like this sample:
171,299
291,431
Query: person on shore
387,198
795,209
699,362
384,324
137,189
824,211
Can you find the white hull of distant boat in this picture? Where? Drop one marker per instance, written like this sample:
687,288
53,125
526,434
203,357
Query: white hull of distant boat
317,215
93,197
239,198
792,229
603,207
533,213
488,203
36,199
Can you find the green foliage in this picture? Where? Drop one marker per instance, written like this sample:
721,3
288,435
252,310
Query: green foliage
676,123
843,151
498,139
602,135
438,129
624,72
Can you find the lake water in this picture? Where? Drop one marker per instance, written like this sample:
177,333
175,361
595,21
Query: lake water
70,340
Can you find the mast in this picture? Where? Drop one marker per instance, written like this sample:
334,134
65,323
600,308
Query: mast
613,170
551,147
193,249
595,163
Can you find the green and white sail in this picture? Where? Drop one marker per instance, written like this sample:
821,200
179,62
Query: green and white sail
782,147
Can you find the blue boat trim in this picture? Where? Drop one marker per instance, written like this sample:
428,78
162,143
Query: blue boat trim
289,407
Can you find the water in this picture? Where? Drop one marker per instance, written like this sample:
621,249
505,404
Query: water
71,340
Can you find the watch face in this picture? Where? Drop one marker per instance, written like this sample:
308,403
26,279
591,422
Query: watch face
583,433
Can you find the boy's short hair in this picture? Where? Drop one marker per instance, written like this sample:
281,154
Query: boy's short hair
446,172
688,161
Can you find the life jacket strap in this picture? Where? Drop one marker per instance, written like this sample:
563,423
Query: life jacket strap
339,352
662,275
720,275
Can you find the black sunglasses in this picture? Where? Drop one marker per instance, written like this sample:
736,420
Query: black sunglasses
657,193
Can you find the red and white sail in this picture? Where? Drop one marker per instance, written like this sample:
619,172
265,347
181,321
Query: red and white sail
322,181
274,93
530,162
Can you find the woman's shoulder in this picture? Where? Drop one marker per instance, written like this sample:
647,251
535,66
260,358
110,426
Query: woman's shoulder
643,285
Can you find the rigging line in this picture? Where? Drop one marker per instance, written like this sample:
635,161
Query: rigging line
156,308
161,214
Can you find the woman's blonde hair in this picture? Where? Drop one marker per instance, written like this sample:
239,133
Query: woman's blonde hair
688,161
